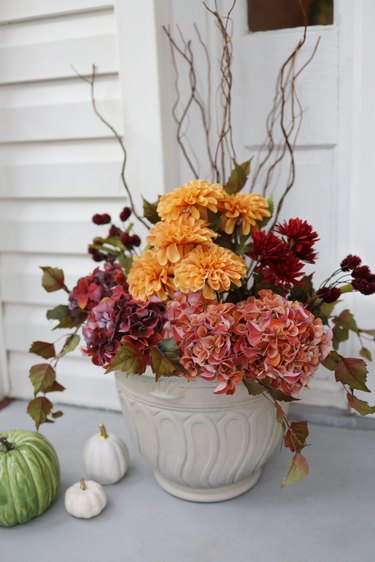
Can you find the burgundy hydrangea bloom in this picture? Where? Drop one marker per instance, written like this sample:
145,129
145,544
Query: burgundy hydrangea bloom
94,287
329,294
301,238
121,319
267,246
361,272
101,219
283,273
350,262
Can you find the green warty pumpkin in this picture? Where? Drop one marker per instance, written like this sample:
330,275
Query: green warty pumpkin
29,476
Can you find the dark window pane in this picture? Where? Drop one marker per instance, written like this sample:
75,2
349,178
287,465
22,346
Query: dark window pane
265,15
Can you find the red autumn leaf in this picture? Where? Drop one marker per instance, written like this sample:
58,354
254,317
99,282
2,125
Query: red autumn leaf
42,377
43,349
39,409
129,360
353,372
53,279
361,406
295,438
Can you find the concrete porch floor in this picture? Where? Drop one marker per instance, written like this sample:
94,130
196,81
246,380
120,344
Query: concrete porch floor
329,517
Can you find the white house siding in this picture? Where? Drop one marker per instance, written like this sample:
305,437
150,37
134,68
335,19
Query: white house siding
58,166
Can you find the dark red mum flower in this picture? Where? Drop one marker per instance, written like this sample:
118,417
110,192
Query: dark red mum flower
301,238
267,246
125,214
350,262
284,272
329,294
361,272
101,219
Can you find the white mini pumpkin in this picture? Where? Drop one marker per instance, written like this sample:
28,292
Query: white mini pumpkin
85,499
106,457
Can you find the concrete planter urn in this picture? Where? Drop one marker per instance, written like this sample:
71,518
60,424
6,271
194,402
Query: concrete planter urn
202,446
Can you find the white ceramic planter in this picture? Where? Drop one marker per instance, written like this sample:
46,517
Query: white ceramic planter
202,446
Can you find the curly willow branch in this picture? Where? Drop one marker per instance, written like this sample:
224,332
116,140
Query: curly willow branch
117,136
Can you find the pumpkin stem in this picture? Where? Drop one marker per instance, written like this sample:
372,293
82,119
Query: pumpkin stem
82,484
5,445
103,431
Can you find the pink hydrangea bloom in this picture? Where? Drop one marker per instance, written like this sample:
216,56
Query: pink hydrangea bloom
282,341
268,338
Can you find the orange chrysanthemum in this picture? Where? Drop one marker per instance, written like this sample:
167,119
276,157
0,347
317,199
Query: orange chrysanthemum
174,240
245,207
147,278
194,198
209,269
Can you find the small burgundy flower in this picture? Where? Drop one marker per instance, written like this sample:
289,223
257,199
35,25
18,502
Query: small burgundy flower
126,239
361,272
267,246
101,219
125,214
363,286
114,231
135,240
350,262
98,256
301,238
329,294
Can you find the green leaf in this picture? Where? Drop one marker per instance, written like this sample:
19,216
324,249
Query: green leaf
161,365
366,353
340,334
280,415
129,360
71,343
238,177
39,409
53,279
164,359
302,292
326,308
149,211
66,320
353,372
125,262
330,362
43,349
295,438
361,406
297,470
42,377
346,320
253,387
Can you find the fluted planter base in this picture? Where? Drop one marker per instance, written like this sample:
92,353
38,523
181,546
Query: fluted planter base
208,495
202,446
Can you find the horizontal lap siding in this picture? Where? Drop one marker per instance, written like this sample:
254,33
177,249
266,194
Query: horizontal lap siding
58,165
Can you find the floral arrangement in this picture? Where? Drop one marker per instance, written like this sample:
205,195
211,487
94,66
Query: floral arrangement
220,292
215,295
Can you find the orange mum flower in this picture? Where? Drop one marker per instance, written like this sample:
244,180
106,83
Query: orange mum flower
194,198
147,278
212,268
174,240
245,207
